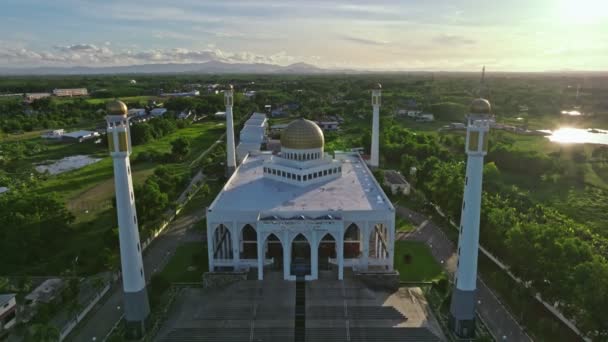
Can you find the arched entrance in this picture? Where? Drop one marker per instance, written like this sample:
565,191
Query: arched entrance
273,249
352,242
222,243
249,243
327,250
300,256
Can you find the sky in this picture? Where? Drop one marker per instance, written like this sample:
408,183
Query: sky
448,35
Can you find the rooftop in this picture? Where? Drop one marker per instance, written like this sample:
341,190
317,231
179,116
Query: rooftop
5,298
355,190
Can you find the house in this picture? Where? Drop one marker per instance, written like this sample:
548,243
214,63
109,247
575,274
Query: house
80,136
184,115
277,112
3,189
219,115
278,128
182,94
30,97
328,125
45,292
8,311
54,134
425,117
70,92
249,94
137,112
396,182
158,111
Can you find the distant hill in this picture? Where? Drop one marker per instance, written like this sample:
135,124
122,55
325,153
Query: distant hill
211,67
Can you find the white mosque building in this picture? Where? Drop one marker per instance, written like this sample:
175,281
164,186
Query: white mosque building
301,213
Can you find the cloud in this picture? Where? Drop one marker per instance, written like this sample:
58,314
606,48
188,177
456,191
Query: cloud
449,39
93,55
364,41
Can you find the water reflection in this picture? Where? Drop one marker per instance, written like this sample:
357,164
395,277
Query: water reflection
569,135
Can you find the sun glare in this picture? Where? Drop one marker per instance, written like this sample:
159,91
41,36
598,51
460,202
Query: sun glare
583,11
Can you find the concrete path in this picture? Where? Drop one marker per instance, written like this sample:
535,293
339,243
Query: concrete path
109,311
498,319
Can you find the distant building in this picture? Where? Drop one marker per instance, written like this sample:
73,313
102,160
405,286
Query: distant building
70,92
8,311
249,94
158,111
45,292
219,115
328,125
30,97
80,136
278,128
425,117
133,82
277,112
54,134
252,136
3,189
137,112
184,115
182,94
396,182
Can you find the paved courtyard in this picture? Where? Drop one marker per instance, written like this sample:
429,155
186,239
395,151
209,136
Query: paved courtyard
266,311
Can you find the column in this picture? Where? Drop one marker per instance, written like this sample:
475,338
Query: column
314,256
236,246
261,256
340,252
286,242
365,242
210,231
391,245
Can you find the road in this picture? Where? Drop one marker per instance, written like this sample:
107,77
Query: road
497,318
109,311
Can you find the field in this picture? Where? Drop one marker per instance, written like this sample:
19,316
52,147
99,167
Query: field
187,264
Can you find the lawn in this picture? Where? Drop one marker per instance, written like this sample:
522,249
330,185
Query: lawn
187,264
422,266
403,225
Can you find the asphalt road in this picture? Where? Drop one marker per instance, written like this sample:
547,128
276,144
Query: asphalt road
497,318
109,310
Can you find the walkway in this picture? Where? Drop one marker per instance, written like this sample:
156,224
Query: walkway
109,311
497,318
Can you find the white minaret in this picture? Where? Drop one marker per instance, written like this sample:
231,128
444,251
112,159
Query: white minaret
375,152
135,297
462,308
230,150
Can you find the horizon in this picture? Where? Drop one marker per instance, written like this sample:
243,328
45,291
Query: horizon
385,36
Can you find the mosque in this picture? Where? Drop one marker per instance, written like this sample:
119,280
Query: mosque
302,211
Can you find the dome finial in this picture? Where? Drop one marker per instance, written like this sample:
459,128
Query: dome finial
117,107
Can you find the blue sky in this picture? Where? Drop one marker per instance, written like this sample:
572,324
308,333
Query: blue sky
507,35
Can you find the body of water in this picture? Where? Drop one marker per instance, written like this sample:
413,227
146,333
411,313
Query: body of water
67,164
569,135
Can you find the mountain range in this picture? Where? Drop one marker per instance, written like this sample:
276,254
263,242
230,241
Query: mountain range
211,67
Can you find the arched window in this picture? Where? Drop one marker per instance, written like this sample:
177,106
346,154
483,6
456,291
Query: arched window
352,242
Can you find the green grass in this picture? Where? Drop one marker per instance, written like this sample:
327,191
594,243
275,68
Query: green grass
403,225
422,267
187,264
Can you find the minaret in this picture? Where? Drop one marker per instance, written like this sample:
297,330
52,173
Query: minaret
230,151
135,297
462,308
375,152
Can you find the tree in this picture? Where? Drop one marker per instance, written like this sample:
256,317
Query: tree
150,201
180,148
42,333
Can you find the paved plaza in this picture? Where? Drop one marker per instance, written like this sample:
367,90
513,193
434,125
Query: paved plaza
265,310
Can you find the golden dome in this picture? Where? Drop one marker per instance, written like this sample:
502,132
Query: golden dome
481,106
116,107
302,134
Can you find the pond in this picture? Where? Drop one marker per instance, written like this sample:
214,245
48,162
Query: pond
570,135
66,164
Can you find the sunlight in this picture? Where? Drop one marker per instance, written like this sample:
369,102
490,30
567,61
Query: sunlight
569,135
582,11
